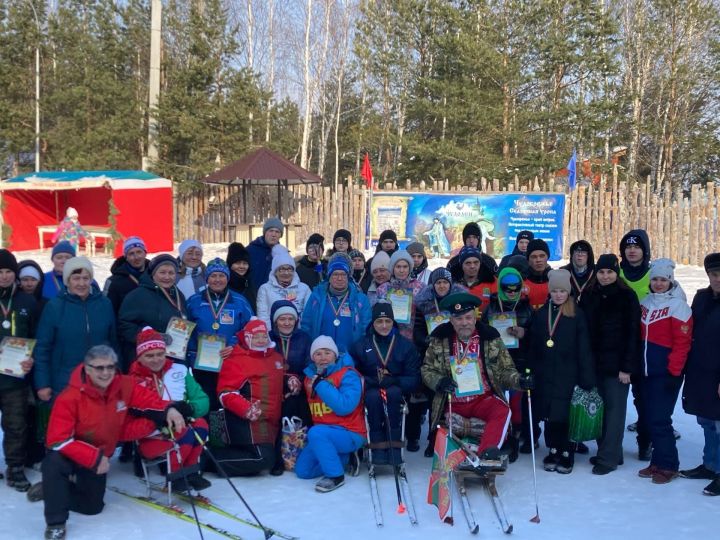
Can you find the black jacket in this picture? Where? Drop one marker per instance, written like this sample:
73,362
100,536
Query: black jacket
580,282
559,368
702,371
488,268
41,301
523,313
23,316
613,316
307,271
403,364
145,306
243,285
120,282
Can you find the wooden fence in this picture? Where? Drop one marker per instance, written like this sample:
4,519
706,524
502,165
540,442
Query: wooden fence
681,226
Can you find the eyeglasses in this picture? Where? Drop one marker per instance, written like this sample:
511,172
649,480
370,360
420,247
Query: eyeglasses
107,367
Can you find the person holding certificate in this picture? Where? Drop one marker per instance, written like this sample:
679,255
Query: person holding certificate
173,383
560,358
467,362
154,303
401,291
18,321
509,312
219,313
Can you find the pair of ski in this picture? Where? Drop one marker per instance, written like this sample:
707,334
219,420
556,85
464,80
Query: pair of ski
200,502
488,480
405,500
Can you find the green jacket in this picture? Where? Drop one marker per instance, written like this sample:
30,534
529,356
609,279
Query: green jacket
497,364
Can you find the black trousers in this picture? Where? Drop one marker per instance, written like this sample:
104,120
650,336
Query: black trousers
84,495
643,430
556,436
376,414
416,409
14,406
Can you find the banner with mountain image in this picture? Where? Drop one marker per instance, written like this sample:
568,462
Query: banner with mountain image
437,219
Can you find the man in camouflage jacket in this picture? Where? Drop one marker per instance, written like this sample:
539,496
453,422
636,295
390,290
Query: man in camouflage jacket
465,340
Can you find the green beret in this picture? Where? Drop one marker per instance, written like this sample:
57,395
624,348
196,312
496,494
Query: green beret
459,303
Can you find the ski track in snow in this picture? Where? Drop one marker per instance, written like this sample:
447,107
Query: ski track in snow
619,505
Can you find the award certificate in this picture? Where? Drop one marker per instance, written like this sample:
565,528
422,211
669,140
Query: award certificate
13,351
179,331
502,322
401,300
208,353
466,374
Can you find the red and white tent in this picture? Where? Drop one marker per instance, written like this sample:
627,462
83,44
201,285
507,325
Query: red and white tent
144,204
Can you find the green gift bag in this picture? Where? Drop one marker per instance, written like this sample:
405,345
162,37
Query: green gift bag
586,415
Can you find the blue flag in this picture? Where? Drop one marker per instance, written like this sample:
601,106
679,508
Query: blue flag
572,170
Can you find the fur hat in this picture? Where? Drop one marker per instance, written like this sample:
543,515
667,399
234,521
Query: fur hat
77,263
323,342
237,252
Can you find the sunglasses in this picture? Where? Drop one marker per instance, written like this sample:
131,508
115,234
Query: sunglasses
102,368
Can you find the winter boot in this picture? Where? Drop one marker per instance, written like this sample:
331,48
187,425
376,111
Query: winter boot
600,469
126,452
701,472
662,476
35,493
413,445
648,472
278,469
566,462
429,450
198,482
55,532
179,485
326,483
551,460
644,450
511,448
16,479
353,465
713,488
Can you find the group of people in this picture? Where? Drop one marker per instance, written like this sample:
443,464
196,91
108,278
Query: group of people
347,345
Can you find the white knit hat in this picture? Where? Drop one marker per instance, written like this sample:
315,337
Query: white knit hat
76,263
280,257
380,260
323,342
664,268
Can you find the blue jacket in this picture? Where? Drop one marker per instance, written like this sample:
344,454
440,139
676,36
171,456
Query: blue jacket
345,398
232,319
53,286
260,261
318,317
68,328
403,364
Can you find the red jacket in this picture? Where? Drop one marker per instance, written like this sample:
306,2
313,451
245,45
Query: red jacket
86,423
537,293
247,376
482,290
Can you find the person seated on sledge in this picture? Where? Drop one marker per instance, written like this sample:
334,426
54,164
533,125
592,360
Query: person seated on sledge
390,367
468,363
250,389
99,407
172,382
335,395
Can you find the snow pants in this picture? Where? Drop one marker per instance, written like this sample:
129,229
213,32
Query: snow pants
83,495
614,394
13,406
496,414
188,451
659,395
327,451
711,450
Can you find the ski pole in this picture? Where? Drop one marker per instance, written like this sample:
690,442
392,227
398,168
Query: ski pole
395,466
536,517
267,532
451,474
185,478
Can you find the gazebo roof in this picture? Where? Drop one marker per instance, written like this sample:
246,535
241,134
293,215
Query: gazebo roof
262,167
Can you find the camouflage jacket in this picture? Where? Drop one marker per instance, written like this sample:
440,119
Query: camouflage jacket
497,364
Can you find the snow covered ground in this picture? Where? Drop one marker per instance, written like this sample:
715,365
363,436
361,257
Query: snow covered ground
619,505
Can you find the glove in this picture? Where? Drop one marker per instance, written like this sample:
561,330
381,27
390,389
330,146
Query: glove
388,381
254,412
184,408
672,383
294,385
527,382
446,385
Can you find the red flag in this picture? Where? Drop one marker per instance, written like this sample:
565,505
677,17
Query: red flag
448,455
366,172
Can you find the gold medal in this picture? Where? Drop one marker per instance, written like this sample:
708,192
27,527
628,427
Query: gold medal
550,343
215,326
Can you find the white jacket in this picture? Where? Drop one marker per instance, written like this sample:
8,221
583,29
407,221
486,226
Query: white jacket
297,292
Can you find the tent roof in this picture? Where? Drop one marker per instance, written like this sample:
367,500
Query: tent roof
262,167
55,180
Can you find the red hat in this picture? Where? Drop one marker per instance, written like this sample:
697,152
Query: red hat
253,326
148,340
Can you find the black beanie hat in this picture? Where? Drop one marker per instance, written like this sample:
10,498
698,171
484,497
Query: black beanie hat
8,260
387,234
315,238
525,235
537,244
712,262
473,229
343,233
157,261
608,261
382,309
237,252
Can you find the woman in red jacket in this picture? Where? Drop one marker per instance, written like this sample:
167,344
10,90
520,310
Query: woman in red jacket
250,389
88,419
